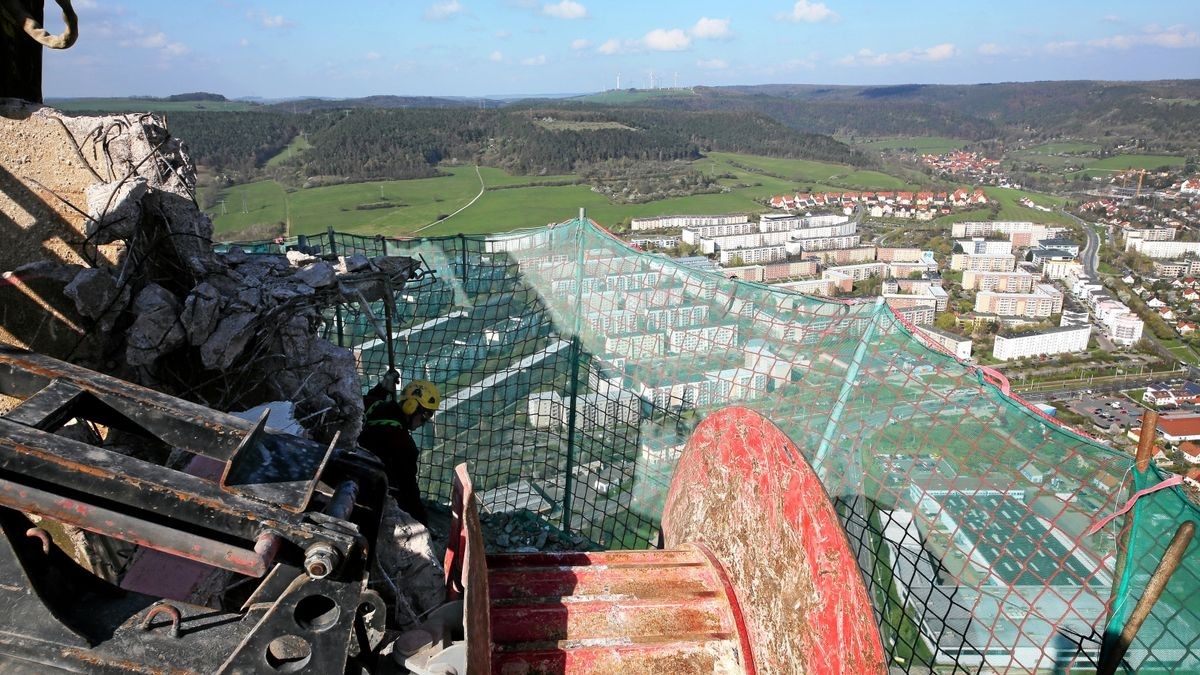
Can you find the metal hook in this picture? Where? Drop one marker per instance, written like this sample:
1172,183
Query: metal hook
41,534
164,608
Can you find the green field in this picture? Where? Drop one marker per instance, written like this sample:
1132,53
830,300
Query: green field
807,173
1011,210
929,145
1116,164
511,202
147,105
1062,148
626,96
299,144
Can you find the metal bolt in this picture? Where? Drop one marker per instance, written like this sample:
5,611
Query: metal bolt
320,560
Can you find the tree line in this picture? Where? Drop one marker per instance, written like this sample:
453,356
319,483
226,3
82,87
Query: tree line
371,144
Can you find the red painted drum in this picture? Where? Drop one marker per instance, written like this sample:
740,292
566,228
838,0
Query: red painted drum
744,495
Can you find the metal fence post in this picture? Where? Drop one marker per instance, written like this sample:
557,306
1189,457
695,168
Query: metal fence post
462,245
573,384
337,307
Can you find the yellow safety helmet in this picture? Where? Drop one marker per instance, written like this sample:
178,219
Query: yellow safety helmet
419,393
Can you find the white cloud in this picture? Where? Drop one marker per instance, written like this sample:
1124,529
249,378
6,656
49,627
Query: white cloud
442,10
272,21
539,60
1063,47
503,34
937,52
136,38
713,64
991,49
567,9
497,56
580,43
663,40
866,57
372,56
810,12
610,47
710,29
1171,37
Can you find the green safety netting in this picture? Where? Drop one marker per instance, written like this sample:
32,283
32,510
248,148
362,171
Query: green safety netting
573,369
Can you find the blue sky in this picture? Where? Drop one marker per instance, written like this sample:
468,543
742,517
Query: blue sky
505,47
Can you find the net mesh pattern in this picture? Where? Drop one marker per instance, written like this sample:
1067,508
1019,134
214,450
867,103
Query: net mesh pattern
573,368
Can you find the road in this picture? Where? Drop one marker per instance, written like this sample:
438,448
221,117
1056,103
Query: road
1090,255
1091,261
482,189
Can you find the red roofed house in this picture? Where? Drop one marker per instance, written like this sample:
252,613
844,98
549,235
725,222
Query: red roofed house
923,198
1191,451
960,197
904,198
778,201
1190,186
979,197
1176,430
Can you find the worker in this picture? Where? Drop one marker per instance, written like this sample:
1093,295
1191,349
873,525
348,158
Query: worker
387,433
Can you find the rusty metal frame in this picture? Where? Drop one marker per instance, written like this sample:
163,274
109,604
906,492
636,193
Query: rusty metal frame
294,513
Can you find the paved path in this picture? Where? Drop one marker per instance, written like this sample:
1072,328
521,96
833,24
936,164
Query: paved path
482,189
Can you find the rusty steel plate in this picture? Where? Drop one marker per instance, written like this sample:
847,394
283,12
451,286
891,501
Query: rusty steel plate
744,494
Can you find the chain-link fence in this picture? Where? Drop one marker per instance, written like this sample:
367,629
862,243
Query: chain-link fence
573,369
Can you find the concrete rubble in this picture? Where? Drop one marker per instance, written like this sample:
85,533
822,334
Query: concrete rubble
135,289
149,300
523,532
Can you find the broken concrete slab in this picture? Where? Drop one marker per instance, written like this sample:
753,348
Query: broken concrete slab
227,341
317,274
201,313
93,290
156,328
115,209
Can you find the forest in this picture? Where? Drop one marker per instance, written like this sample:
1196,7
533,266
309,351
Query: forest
377,143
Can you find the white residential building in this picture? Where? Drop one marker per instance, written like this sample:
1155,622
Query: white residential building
981,246
752,254
1042,302
983,263
670,222
1053,341
856,272
1163,249
662,318
957,345
545,409
1061,269
702,340
808,245
635,345
1004,282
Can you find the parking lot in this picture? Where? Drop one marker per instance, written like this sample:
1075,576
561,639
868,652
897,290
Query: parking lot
1108,411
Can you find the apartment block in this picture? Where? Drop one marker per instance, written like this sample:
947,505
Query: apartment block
671,222
957,345
1042,302
1054,341
1000,282
983,263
